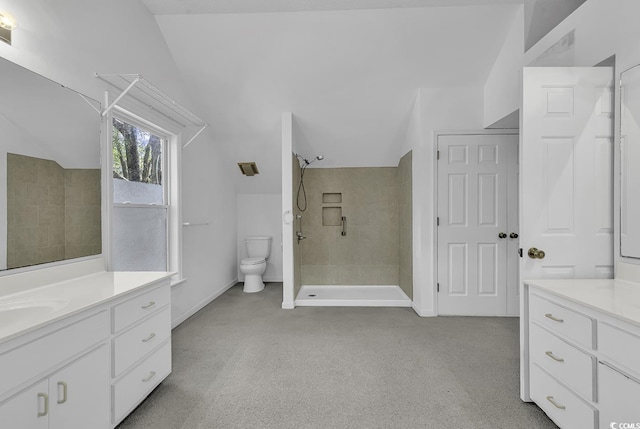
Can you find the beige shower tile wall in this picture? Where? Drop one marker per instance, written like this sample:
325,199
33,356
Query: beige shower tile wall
369,253
82,213
35,211
52,213
405,210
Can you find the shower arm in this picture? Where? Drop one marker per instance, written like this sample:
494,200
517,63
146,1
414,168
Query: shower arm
307,162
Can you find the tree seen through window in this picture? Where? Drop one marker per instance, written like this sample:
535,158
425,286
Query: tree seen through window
137,154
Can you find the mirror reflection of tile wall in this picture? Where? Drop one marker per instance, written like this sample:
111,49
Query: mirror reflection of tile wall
52,213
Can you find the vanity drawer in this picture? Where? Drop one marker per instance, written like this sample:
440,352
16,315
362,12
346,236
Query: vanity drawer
619,346
572,325
137,384
132,345
573,367
562,405
140,306
19,365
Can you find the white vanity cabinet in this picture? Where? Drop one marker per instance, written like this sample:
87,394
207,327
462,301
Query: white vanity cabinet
73,397
620,393
141,348
91,362
581,351
73,394
28,409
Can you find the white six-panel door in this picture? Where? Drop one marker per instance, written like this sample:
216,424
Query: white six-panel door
566,178
567,172
477,231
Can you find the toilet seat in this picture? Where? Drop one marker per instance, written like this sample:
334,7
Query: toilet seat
252,261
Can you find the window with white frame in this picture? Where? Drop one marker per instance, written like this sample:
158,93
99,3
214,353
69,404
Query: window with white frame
140,216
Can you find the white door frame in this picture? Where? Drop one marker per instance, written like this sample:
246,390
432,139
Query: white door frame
437,134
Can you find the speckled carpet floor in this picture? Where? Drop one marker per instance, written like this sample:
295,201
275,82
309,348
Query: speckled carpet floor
243,362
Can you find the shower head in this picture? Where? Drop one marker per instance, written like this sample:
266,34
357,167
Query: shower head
307,162
317,158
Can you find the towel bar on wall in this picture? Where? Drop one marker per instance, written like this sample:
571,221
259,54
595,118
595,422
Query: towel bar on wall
195,223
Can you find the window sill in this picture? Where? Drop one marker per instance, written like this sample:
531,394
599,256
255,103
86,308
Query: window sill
177,282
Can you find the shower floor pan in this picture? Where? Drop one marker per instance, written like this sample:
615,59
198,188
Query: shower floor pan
351,296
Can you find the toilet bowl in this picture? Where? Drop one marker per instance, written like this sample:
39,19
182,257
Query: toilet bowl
258,250
253,269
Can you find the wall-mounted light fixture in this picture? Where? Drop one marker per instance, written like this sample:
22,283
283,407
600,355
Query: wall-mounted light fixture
7,24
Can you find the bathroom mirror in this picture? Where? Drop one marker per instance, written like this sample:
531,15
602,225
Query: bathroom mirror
629,163
49,170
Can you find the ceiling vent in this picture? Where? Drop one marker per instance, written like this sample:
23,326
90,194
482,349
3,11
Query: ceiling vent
248,168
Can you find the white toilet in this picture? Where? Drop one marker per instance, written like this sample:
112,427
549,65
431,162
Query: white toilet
258,249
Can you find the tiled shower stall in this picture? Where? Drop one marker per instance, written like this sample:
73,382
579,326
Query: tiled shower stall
357,227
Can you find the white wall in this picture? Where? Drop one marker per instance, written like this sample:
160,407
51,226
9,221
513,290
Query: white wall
289,256
442,110
601,28
260,215
412,140
70,41
209,258
501,90
413,134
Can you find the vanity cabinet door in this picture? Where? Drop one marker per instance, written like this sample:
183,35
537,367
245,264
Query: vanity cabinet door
618,396
28,409
79,393
76,397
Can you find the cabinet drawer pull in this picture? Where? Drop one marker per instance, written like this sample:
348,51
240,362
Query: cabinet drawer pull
46,404
151,304
64,392
149,377
555,404
554,357
555,319
149,338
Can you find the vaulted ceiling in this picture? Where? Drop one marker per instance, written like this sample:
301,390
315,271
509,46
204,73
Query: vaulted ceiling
178,7
349,70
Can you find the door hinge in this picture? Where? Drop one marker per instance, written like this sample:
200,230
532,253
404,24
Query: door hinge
520,252
438,221
438,155
438,287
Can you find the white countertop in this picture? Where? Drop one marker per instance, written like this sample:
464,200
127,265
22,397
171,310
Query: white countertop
617,298
26,311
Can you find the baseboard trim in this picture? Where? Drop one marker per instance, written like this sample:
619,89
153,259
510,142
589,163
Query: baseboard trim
193,310
421,312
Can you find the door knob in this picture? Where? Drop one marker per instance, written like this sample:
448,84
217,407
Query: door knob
513,235
502,235
536,253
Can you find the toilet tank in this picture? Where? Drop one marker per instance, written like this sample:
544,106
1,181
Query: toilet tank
258,247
